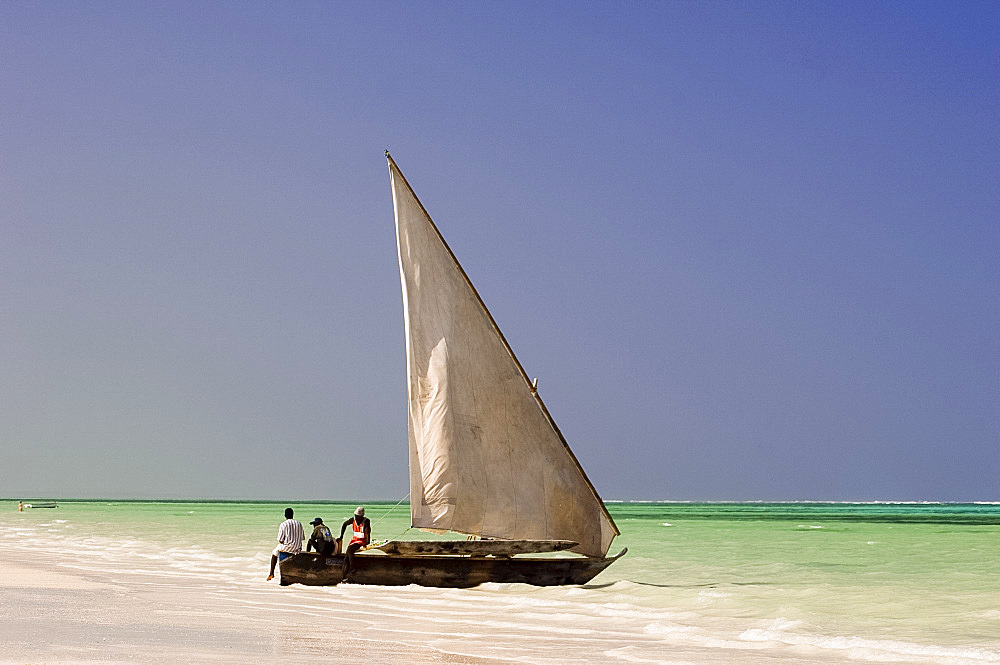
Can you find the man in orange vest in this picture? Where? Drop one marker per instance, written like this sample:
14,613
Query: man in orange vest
361,529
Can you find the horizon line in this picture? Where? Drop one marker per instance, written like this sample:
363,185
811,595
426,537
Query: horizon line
24,499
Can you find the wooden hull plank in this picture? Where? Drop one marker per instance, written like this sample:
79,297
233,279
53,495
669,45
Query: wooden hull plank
442,571
475,547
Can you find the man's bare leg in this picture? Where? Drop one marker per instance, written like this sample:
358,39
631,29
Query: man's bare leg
274,562
349,561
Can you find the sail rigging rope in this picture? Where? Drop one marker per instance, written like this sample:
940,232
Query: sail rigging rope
396,537
390,510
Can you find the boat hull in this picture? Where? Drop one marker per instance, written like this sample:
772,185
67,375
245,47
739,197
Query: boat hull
442,571
474,547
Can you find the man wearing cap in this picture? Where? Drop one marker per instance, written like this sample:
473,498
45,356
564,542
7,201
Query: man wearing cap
321,539
361,529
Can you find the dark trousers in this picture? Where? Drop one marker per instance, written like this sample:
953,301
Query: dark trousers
322,547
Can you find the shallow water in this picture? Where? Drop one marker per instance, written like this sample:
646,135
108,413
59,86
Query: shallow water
749,582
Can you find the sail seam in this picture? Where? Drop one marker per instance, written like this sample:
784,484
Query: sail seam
510,458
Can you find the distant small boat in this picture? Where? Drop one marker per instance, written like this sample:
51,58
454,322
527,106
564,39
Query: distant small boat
41,505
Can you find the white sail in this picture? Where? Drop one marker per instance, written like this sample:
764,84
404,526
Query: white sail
485,456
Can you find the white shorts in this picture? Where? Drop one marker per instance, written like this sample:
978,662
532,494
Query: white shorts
282,555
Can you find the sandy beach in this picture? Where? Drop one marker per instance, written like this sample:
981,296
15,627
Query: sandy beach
748,584
49,616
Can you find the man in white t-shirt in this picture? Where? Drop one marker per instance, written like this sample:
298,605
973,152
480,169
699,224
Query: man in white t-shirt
290,537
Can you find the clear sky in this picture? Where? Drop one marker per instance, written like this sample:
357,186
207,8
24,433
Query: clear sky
750,249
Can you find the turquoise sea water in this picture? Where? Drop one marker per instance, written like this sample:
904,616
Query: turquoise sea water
802,582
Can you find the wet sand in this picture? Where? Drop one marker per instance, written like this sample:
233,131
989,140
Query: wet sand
52,616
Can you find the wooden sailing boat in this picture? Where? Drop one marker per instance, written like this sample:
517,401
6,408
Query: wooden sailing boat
486,458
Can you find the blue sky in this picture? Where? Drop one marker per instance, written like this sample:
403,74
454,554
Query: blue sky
751,250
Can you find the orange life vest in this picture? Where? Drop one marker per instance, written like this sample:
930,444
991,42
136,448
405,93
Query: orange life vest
359,532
